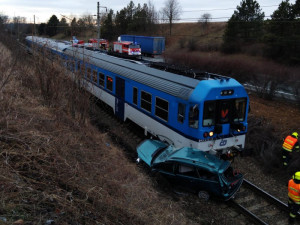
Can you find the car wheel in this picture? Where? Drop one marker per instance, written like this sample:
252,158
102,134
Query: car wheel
203,195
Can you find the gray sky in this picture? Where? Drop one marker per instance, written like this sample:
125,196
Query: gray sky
220,10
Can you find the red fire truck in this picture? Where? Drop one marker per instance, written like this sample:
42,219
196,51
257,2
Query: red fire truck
127,48
76,42
98,43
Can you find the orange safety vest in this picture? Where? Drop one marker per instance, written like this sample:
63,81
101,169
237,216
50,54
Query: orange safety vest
289,143
294,191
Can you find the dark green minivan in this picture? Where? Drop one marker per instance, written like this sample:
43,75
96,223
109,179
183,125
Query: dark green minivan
191,169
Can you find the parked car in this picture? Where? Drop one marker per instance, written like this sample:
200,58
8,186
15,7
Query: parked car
191,169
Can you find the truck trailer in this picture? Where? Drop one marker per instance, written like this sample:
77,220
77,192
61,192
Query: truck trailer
149,45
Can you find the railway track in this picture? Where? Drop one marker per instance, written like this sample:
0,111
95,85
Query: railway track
252,202
259,206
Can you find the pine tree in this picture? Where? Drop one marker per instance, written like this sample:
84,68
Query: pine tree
282,39
52,24
244,27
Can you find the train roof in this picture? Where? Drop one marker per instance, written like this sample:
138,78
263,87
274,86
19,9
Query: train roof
50,43
176,85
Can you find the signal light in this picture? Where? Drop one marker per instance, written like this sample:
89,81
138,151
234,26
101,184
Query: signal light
227,92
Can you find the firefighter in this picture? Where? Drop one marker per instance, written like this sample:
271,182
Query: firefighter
294,196
290,143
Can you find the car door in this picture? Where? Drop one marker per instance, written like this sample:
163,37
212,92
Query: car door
167,170
187,176
208,181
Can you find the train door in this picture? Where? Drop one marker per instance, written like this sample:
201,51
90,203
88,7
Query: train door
120,97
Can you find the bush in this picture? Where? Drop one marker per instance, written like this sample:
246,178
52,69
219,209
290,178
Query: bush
192,44
182,42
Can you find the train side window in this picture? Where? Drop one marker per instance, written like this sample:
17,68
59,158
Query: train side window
95,77
209,114
162,108
181,112
101,79
239,110
82,69
194,116
88,72
109,83
135,96
72,65
78,65
146,101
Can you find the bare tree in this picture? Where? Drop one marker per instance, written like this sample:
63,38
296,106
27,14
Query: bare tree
171,12
88,20
205,19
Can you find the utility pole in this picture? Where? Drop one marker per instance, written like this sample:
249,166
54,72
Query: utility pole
98,18
33,24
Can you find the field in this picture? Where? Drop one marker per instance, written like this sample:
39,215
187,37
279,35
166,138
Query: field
57,167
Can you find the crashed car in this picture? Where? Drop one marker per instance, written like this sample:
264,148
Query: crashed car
191,169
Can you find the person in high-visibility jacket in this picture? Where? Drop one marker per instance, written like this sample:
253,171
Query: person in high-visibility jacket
289,145
294,195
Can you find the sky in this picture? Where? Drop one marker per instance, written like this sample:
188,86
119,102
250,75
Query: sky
192,10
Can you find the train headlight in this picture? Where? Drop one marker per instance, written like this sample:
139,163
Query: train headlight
208,134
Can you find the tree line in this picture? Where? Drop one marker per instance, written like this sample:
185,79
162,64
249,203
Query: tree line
132,18
279,35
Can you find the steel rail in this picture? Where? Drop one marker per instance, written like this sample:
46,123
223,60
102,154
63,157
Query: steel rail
265,194
255,219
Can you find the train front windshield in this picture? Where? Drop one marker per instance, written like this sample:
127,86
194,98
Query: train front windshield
224,111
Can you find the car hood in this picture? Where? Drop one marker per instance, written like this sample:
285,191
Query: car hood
147,149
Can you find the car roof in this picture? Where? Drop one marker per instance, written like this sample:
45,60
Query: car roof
199,158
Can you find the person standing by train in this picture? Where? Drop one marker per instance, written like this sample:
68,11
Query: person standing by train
294,196
289,145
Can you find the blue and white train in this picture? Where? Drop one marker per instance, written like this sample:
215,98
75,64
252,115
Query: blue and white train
208,114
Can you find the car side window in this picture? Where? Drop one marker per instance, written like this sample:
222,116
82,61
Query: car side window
204,174
187,171
166,167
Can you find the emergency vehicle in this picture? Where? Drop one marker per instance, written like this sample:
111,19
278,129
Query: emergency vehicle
77,43
98,43
127,48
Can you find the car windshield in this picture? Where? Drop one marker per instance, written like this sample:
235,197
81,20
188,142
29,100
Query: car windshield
163,154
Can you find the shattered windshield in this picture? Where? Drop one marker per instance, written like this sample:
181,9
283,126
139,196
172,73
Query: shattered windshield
164,155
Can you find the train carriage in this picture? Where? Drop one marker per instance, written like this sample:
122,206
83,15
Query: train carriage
208,114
